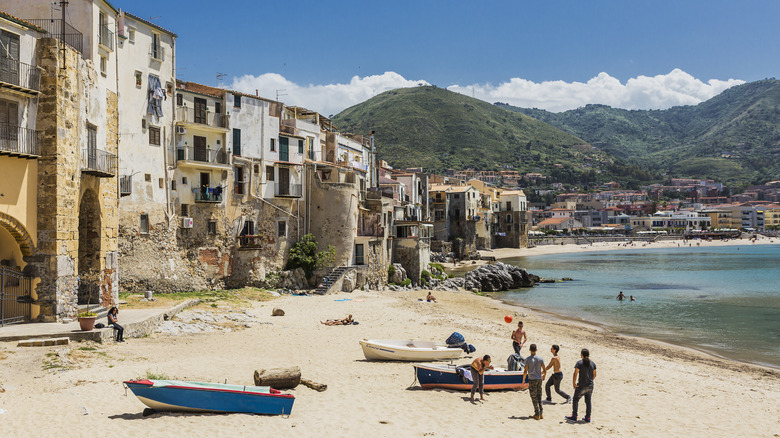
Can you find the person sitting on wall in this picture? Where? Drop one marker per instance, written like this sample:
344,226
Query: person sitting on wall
112,322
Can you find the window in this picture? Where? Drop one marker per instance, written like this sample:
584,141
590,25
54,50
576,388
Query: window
269,173
249,229
239,178
131,35
300,146
457,195
144,224
236,142
218,107
103,66
179,99
273,145
257,169
185,210
236,101
138,79
173,184
508,206
509,218
359,260
156,50
154,135
148,177
184,180
457,213
211,228
310,145
281,228
161,183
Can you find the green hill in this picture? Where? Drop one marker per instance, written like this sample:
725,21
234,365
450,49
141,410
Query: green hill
733,137
439,129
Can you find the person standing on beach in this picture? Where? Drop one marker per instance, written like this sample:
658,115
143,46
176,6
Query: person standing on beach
478,368
534,373
586,370
519,337
556,378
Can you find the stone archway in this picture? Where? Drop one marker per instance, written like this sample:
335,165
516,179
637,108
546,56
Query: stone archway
89,249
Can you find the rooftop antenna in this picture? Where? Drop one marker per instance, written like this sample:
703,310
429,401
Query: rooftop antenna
280,94
154,18
220,76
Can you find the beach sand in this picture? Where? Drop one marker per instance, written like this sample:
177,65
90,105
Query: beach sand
643,388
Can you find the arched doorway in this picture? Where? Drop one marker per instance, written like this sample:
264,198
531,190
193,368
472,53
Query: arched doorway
89,249
16,286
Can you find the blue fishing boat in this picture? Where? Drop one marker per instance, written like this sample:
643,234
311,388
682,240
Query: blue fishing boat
181,396
450,376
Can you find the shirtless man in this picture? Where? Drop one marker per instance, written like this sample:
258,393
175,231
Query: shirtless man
519,337
620,296
556,377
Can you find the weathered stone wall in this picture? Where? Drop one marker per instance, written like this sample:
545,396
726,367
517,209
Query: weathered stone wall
413,254
513,226
334,215
69,101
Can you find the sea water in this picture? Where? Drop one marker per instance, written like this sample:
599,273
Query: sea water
721,299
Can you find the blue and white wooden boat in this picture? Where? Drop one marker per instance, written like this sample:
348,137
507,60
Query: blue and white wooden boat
408,350
450,376
181,396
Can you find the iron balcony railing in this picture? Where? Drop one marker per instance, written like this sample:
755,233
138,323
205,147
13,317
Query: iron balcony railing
208,194
289,190
18,140
125,185
54,27
203,155
250,241
106,37
157,51
97,162
189,115
19,74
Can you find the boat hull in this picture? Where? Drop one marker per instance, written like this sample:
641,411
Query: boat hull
219,398
446,377
410,350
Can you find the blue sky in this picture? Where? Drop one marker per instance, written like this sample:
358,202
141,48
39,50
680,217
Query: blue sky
552,54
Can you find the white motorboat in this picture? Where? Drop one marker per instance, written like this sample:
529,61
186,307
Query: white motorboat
408,350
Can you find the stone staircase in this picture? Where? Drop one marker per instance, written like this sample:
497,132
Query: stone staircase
330,281
102,312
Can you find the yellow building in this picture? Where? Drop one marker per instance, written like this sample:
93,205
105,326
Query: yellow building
719,219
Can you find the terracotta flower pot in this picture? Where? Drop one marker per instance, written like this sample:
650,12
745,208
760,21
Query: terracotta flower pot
87,323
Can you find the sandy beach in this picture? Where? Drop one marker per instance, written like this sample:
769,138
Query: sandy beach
643,388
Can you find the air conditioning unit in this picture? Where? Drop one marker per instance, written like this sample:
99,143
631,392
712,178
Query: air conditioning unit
186,222
181,130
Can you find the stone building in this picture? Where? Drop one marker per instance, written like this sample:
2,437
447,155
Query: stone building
510,216
75,253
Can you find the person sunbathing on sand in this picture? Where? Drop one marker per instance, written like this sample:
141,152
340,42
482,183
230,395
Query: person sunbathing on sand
346,321
430,298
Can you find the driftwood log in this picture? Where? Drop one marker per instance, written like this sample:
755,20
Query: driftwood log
278,378
313,385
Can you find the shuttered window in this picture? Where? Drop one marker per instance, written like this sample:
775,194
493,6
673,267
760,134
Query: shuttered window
236,142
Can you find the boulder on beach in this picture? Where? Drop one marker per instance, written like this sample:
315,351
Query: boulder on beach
498,277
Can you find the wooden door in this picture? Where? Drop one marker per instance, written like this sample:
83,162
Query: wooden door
9,58
284,181
200,110
201,153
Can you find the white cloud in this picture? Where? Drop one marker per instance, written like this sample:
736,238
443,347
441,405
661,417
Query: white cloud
643,92
325,99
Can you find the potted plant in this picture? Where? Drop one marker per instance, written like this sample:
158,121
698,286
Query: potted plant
87,320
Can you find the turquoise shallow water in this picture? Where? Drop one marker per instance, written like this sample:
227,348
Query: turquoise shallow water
725,300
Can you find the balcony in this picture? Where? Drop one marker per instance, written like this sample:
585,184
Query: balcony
202,158
54,28
157,52
19,142
19,77
185,115
209,194
288,190
250,241
106,37
99,163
